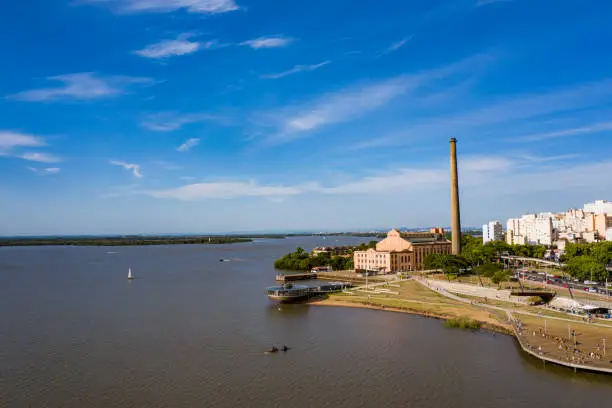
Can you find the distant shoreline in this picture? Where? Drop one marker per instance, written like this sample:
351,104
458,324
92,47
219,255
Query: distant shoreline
140,240
125,241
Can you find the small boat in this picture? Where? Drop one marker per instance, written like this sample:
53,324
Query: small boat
272,350
130,273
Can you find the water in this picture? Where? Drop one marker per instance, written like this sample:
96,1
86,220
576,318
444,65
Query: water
190,331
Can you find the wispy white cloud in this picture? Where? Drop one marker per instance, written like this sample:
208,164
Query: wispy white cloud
81,86
396,46
164,6
10,140
134,168
479,175
225,189
295,121
40,157
268,42
188,145
577,131
509,108
171,48
170,121
482,175
336,107
545,159
12,145
295,70
45,171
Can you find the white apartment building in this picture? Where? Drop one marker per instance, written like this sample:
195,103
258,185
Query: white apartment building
590,224
492,231
599,207
579,221
531,229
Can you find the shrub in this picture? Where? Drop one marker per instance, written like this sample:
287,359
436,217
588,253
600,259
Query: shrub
463,323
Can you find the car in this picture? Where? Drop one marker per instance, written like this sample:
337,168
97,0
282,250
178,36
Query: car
591,290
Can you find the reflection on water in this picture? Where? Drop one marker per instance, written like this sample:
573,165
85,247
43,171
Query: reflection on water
191,331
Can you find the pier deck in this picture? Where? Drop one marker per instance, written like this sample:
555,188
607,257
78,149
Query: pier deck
290,277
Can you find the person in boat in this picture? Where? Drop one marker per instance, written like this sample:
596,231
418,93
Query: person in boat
285,348
274,349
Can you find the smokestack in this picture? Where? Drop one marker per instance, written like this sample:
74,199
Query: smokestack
455,218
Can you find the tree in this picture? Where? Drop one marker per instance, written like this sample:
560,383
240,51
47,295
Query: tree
538,251
500,276
488,269
586,267
449,264
602,252
433,261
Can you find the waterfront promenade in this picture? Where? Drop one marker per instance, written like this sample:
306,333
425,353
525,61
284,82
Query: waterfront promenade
543,332
551,338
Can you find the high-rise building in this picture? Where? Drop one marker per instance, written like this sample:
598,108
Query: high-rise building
599,207
603,226
530,229
492,231
590,224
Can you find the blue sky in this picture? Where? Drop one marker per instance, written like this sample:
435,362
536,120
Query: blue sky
153,116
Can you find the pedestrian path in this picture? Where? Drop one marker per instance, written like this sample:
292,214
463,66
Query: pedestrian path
433,285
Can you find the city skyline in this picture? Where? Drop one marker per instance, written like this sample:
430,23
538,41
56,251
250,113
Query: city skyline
142,116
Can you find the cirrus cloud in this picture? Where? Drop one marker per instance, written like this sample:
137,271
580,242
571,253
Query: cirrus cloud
268,42
172,48
46,171
165,6
10,140
134,168
188,145
40,157
295,70
170,121
81,86
480,174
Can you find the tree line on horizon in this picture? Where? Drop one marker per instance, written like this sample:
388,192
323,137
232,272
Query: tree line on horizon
300,260
122,241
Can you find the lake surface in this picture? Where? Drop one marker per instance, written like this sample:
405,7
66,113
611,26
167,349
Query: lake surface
190,331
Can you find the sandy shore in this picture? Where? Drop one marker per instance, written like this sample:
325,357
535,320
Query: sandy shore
487,325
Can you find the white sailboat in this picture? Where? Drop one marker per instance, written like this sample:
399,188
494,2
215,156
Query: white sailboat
130,273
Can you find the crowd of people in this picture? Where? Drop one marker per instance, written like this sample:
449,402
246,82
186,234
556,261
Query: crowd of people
568,347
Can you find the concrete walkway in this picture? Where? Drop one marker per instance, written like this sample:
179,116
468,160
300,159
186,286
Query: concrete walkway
443,291
477,291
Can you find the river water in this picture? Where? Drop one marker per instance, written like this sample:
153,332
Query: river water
190,331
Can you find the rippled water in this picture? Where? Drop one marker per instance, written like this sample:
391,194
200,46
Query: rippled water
190,331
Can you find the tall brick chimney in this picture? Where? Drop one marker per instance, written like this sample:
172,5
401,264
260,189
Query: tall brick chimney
455,217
